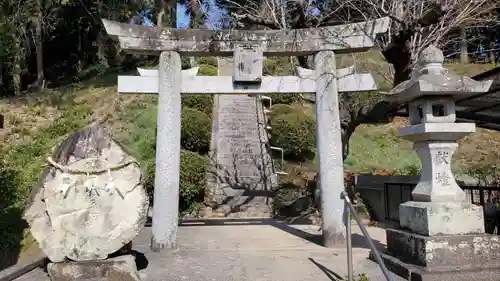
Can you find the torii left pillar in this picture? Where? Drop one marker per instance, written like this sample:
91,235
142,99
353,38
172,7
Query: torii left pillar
329,146
168,153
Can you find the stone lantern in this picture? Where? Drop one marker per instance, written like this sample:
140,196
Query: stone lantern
441,233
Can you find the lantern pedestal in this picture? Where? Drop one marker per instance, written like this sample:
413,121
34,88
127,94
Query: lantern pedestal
441,235
442,257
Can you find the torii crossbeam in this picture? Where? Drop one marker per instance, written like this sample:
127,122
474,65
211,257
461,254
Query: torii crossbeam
147,83
346,38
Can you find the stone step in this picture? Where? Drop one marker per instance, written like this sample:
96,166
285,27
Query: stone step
242,176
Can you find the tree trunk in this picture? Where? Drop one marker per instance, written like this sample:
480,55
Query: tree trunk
16,76
283,14
195,15
101,49
159,18
37,27
398,54
173,12
17,68
492,51
464,56
81,55
163,12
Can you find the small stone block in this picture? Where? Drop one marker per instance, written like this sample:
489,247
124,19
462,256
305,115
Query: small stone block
248,63
437,218
121,268
474,250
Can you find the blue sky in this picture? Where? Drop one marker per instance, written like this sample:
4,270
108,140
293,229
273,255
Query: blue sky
182,17
213,20
214,16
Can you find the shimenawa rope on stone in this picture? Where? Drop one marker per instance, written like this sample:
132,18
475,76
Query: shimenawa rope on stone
90,171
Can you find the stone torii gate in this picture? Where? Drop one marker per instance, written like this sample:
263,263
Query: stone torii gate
248,49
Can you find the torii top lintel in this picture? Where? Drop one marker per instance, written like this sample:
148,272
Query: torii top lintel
346,38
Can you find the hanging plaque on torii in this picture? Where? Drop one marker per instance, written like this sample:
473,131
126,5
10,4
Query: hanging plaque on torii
248,64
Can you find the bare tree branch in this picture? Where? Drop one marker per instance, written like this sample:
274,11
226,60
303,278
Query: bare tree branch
416,24
256,20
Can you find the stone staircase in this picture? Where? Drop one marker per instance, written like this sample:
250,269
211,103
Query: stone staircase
242,176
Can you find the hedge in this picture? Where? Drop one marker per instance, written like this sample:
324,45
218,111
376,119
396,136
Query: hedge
296,133
194,168
196,130
203,103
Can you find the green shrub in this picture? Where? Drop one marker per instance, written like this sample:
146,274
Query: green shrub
281,109
296,134
207,70
196,130
278,66
408,170
203,103
145,148
192,180
207,61
285,98
10,180
12,232
291,200
11,223
484,174
192,177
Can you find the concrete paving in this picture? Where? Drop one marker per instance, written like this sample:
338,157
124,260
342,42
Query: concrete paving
254,250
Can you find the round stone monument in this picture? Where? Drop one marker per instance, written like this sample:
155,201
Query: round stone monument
90,201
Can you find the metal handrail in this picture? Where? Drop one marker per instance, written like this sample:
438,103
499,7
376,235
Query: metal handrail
260,98
349,208
268,99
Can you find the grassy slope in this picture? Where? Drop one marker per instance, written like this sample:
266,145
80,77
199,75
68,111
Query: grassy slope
377,147
34,124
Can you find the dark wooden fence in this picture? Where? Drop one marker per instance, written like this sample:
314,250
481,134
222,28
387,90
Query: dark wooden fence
480,195
382,195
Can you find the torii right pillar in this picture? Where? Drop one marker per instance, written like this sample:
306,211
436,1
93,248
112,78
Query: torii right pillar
442,235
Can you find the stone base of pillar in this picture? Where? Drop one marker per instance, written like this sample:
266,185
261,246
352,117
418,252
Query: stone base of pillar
120,268
412,272
442,241
439,251
441,218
